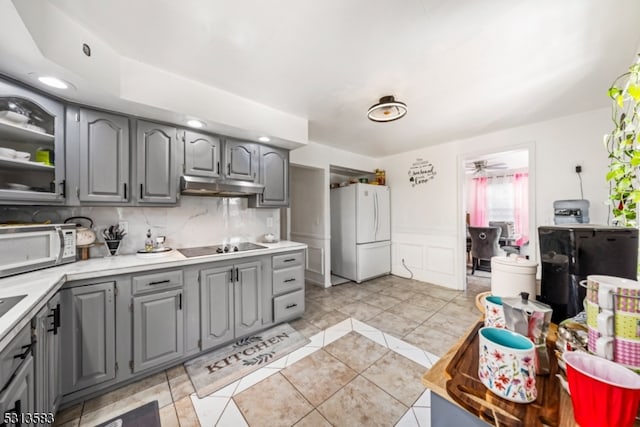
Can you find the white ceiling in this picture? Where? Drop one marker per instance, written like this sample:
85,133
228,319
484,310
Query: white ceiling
463,67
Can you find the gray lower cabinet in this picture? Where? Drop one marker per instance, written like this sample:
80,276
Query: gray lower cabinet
158,331
104,157
274,175
156,163
17,400
230,302
201,155
88,335
288,285
47,355
241,160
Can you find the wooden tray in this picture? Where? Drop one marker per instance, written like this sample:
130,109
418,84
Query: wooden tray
467,390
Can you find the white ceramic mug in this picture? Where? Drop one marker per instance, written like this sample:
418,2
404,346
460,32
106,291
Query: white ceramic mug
605,323
604,347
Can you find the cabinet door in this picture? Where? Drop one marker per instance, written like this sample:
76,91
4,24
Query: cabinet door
47,357
158,332
216,306
156,163
19,395
274,175
202,155
88,335
104,157
43,139
248,297
241,160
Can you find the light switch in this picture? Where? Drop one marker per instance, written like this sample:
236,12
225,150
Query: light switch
270,221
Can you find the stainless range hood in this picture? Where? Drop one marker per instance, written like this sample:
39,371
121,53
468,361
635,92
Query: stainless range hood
199,186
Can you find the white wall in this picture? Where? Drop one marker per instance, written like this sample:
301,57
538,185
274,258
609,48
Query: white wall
319,156
427,220
307,201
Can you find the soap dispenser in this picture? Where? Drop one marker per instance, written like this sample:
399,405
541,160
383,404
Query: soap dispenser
148,243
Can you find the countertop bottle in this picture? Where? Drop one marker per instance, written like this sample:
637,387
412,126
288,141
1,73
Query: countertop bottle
148,243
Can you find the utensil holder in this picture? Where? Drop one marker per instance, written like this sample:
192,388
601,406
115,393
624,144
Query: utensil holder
113,246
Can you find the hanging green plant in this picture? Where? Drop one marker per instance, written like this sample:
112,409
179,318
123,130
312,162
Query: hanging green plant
623,145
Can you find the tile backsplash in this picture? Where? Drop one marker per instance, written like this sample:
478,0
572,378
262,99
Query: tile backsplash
196,221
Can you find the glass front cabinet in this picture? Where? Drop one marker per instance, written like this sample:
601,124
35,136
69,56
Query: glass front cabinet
31,147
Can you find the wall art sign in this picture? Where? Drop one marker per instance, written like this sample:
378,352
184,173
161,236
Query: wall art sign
421,172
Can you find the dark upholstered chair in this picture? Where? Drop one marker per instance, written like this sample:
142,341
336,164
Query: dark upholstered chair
484,244
507,236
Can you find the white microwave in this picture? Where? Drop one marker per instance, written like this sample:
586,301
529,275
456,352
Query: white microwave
26,248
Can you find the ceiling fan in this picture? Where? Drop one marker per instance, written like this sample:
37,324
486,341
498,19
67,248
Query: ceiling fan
479,167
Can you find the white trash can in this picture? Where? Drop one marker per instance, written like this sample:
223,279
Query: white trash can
512,275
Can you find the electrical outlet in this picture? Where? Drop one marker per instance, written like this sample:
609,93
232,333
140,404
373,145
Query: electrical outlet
270,221
124,226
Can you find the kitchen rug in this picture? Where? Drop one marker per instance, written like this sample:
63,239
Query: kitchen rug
221,367
143,416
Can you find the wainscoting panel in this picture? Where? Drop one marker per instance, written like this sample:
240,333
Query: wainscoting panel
316,270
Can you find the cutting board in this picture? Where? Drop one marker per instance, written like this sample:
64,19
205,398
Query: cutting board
464,386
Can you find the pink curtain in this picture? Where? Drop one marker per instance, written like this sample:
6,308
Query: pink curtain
521,206
478,202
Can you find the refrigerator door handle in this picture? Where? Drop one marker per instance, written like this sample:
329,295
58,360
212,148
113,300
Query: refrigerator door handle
377,219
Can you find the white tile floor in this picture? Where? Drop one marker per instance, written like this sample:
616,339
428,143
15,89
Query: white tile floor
218,409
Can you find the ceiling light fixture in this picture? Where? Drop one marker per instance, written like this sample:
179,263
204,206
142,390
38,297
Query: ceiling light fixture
387,110
264,139
195,124
53,82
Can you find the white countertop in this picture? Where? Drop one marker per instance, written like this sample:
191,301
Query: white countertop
39,286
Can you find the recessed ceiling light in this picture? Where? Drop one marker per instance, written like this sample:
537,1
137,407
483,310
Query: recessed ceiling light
53,82
387,110
195,123
264,139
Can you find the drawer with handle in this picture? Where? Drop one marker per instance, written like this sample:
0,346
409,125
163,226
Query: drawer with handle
288,279
288,260
288,306
157,281
14,354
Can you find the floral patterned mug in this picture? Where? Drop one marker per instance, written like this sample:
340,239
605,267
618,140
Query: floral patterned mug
507,366
494,312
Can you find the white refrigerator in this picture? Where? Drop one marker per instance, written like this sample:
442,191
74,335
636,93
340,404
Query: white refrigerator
360,231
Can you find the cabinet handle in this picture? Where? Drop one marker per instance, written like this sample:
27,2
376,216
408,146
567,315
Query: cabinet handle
63,184
228,168
289,280
289,260
141,192
16,409
56,320
23,355
218,168
180,301
237,274
125,190
291,305
159,282
231,276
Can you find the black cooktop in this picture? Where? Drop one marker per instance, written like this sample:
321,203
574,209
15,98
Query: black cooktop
219,249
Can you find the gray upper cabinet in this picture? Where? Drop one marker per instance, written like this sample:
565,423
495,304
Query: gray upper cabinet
216,306
104,157
201,155
156,160
33,125
158,329
274,175
88,335
241,160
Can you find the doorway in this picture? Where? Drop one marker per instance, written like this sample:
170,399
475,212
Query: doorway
497,190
